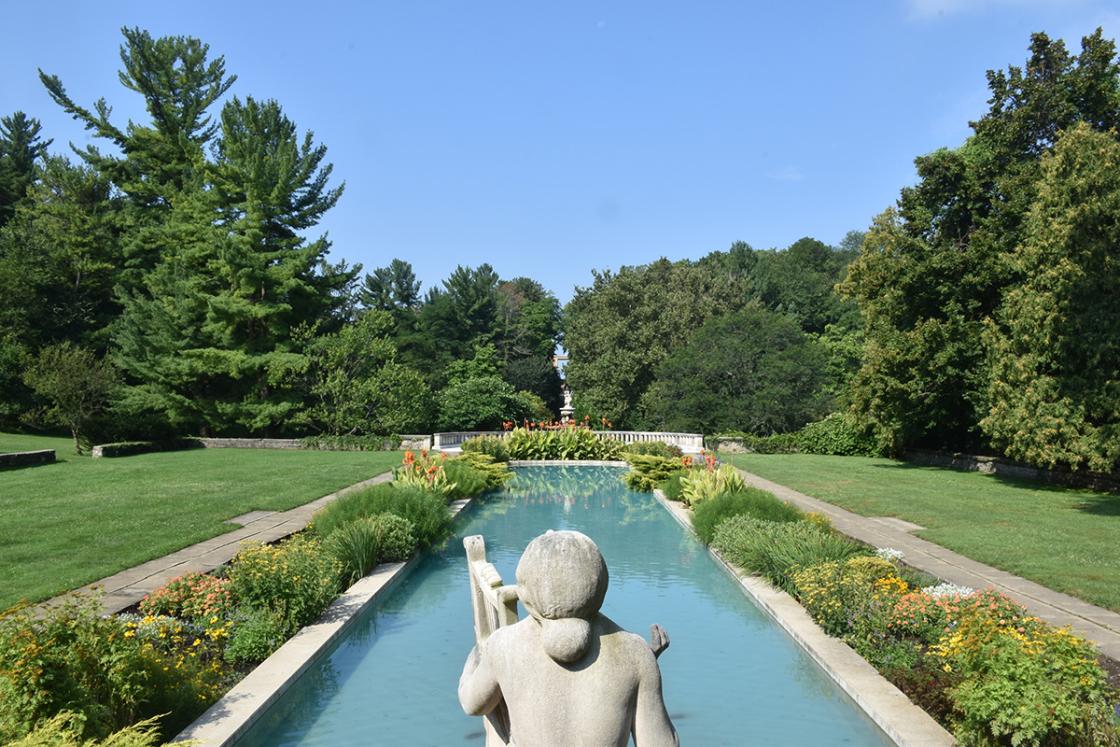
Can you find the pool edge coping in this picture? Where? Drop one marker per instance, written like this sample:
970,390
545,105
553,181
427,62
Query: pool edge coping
905,723
242,706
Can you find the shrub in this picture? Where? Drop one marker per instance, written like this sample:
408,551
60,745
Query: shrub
256,634
327,442
1024,682
193,596
774,549
65,730
672,486
837,435
564,443
425,471
701,484
70,658
751,502
851,599
648,471
492,446
427,511
475,473
653,448
295,579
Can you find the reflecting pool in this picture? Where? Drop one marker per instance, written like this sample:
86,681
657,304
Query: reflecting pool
731,676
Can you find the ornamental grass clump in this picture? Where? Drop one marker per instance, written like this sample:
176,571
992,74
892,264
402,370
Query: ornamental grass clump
775,549
709,514
431,521
66,730
361,544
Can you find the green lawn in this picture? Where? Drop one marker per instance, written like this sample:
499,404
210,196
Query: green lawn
67,524
1065,539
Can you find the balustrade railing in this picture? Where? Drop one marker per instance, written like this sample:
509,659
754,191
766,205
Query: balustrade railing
690,443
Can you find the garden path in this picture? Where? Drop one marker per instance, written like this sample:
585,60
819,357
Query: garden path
1099,625
126,588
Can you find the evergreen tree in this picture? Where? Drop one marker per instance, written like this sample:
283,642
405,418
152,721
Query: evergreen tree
1054,346
21,154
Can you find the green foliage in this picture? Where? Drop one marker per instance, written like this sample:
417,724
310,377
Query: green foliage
672,487
357,386
482,403
753,369
703,483
492,446
295,580
562,443
623,327
837,434
352,443
776,549
257,632
76,384
933,273
21,151
427,511
361,544
709,514
69,658
65,730
648,471
1054,351
653,448
475,473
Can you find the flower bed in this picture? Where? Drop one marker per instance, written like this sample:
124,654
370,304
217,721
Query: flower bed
974,660
69,674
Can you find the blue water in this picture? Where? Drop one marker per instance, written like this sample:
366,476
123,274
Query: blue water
731,676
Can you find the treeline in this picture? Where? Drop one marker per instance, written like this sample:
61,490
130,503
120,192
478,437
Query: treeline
982,312
163,283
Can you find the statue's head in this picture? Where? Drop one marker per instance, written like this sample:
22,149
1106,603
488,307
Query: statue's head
561,581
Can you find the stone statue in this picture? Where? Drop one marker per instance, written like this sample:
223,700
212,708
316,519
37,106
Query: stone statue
564,675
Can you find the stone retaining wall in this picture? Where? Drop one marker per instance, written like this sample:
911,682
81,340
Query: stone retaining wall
996,466
15,459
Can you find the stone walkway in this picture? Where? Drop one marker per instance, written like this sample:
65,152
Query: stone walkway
1097,624
124,589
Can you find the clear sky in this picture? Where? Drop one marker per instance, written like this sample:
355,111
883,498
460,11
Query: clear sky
552,138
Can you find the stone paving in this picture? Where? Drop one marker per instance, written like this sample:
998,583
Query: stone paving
124,589
1097,624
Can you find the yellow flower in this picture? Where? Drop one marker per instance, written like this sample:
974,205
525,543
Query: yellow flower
129,633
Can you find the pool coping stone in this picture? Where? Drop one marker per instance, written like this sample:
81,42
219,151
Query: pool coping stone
229,718
906,724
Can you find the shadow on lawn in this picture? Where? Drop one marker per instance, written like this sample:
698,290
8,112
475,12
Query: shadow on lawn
1092,502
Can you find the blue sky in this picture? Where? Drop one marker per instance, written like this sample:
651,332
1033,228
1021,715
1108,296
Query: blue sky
552,138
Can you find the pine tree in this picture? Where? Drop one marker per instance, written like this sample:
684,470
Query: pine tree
21,154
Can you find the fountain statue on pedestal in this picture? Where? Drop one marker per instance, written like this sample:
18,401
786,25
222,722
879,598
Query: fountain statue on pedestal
566,674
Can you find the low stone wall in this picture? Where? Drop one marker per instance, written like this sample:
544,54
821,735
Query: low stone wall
252,443
16,459
415,442
996,466
727,445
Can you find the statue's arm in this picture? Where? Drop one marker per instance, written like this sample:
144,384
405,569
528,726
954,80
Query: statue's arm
652,727
478,687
